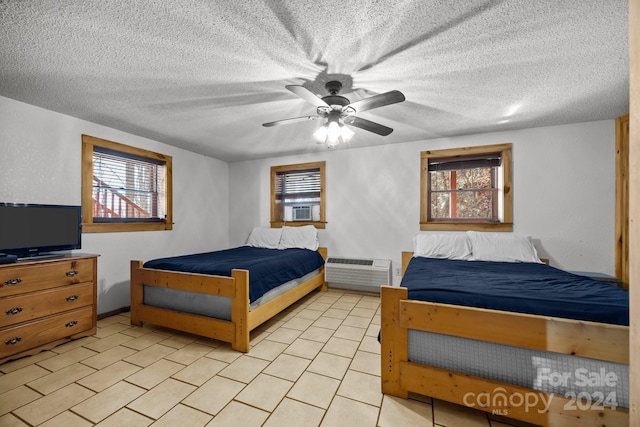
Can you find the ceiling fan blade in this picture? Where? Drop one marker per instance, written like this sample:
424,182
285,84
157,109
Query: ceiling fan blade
369,125
307,95
289,121
376,101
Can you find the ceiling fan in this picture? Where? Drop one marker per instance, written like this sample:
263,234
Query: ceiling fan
339,111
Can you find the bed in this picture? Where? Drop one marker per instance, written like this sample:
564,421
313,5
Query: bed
467,345
226,294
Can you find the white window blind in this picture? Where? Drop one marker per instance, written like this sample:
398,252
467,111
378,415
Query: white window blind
127,188
298,186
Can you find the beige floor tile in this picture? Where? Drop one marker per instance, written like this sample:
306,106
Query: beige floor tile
361,387
49,406
298,323
310,314
373,331
369,363
342,305
346,412
271,325
200,371
80,342
9,420
65,359
350,333
58,379
315,333
304,348
136,331
109,342
319,306
285,335
265,392
189,353
404,412
160,399
214,395
287,367
369,303
182,415
145,341
14,365
314,389
109,376
376,319
17,397
329,365
341,347
224,353
328,322
150,355
363,312
115,328
244,369
267,349
451,415
65,419
291,413
108,357
238,414
21,376
179,340
336,313
126,417
356,321
370,345
155,373
108,401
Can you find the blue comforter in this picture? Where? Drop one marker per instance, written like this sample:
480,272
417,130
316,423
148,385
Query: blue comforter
518,287
268,268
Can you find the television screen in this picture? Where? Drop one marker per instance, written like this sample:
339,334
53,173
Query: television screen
30,229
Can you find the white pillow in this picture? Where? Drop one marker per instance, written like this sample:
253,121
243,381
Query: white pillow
502,247
305,237
442,245
264,237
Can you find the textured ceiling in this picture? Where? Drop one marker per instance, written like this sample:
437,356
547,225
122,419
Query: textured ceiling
204,75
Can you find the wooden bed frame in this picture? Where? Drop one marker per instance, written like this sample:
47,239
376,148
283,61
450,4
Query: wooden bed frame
587,339
243,321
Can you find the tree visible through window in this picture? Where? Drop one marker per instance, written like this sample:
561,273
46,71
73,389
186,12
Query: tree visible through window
124,188
466,188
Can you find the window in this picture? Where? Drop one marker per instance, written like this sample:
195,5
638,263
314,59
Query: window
124,188
297,195
467,189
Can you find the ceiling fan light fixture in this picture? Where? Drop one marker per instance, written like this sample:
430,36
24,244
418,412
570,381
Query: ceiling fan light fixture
333,133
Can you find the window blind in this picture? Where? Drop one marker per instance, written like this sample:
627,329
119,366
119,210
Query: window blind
298,184
127,187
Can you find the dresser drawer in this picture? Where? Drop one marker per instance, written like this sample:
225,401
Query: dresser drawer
22,308
22,337
21,278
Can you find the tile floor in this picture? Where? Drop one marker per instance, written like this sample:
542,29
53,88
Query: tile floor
316,364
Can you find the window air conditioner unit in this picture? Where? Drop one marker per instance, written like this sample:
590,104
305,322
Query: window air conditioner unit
301,213
358,274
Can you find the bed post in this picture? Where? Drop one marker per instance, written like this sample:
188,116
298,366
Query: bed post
393,340
323,252
240,311
136,292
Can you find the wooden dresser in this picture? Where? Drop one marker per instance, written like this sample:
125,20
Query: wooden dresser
44,303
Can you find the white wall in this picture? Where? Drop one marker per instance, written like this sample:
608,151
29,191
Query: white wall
40,162
564,185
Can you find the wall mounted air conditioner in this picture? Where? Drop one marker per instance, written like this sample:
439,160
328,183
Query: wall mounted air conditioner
358,274
301,213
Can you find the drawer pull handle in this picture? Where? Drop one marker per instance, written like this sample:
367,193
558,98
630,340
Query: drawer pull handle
13,341
14,310
71,273
72,298
12,282
71,324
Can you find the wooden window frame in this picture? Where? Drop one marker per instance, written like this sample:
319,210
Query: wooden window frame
468,224
88,224
276,221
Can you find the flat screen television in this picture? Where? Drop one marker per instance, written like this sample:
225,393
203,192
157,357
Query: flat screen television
34,230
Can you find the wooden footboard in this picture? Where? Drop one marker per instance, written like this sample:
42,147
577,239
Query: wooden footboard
587,339
236,331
